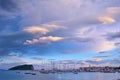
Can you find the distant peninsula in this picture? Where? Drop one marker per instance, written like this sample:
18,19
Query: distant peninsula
22,67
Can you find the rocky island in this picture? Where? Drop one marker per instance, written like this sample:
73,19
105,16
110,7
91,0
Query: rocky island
22,67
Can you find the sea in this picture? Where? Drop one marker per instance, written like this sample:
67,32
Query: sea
22,75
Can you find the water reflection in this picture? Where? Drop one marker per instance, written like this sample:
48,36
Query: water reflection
12,75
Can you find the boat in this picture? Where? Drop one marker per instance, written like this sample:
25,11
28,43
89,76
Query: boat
27,73
33,73
17,72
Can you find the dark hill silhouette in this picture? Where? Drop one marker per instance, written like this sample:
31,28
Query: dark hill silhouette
22,67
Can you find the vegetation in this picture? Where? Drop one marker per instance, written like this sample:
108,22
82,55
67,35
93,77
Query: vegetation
22,67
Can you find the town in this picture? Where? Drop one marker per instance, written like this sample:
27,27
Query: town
105,69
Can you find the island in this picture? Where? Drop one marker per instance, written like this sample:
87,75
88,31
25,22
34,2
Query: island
22,67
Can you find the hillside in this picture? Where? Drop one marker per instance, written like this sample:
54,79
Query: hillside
22,67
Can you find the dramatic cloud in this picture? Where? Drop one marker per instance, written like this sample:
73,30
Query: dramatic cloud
44,40
53,28
36,29
9,5
106,20
113,12
44,29
105,45
13,42
114,35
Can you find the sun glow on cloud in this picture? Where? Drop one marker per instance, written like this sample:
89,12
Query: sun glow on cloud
36,29
104,45
44,40
106,20
51,38
44,29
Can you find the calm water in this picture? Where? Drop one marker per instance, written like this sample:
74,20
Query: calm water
12,75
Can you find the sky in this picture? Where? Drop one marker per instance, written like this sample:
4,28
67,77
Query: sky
65,30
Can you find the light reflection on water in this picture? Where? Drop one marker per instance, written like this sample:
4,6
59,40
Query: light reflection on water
12,75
